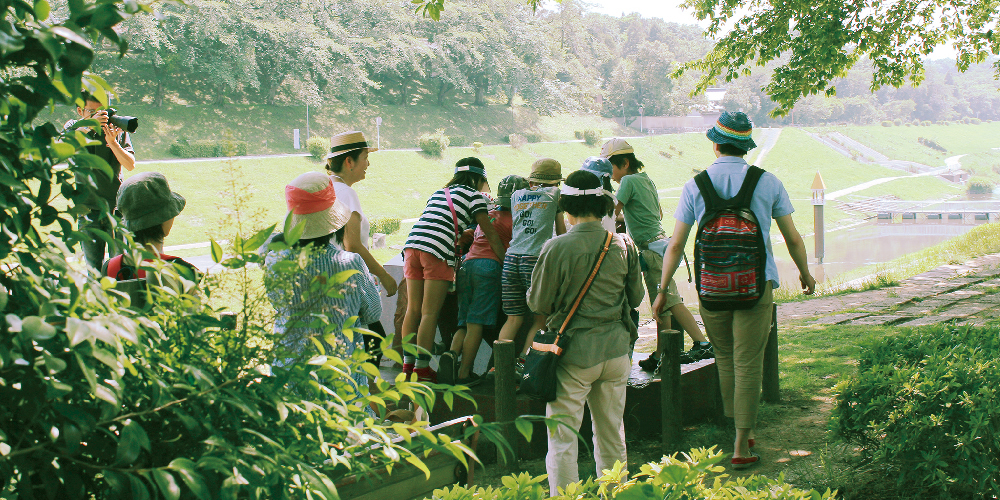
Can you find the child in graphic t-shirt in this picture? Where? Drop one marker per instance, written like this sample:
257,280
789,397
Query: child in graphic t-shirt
640,203
536,215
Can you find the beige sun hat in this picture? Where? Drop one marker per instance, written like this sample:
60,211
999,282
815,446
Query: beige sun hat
345,142
312,199
546,171
616,146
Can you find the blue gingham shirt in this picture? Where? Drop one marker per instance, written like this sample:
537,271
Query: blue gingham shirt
296,306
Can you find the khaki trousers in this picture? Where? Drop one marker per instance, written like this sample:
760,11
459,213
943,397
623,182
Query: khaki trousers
652,277
602,387
739,338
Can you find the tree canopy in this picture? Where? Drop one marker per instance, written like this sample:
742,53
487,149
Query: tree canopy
815,43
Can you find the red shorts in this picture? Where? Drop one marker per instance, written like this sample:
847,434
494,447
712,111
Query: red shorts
420,265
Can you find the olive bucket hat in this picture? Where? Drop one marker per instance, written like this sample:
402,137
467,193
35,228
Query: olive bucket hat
145,200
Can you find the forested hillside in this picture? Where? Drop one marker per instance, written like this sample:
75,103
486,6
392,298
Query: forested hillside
348,54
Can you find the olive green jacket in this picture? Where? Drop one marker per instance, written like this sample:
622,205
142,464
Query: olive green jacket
601,328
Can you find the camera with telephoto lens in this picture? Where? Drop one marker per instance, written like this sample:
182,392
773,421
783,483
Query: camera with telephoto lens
126,123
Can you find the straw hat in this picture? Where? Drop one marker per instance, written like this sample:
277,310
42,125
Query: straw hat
312,199
145,200
345,142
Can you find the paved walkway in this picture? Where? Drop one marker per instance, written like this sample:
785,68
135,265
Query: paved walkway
964,294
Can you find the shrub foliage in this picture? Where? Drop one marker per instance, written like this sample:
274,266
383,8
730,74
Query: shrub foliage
925,405
317,147
677,477
208,148
104,400
434,144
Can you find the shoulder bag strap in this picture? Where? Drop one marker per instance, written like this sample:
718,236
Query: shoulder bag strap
454,220
586,284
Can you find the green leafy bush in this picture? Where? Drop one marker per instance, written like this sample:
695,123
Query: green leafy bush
434,144
932,144
925,123
981,185
384,225
898,122
517,141
696,475
458,141
975,121
208,148
103,399
578,134
591,137
886,123
534,137
317,147
476,146
925,406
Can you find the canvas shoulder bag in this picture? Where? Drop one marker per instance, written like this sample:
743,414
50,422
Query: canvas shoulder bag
539,379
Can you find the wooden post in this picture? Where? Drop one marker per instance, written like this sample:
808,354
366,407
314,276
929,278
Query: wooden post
771,390
671,414
504,387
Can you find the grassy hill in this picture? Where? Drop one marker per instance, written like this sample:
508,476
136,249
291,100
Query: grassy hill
399,182
903,143
268,129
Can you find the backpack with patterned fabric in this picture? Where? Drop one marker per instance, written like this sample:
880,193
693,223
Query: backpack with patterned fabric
729,250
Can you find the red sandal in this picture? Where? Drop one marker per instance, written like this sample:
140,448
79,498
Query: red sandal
745,462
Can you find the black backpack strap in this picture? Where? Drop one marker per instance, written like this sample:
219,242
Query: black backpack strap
708,192
745,196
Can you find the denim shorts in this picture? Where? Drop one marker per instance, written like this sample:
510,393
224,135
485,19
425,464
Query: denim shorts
516,281
478,292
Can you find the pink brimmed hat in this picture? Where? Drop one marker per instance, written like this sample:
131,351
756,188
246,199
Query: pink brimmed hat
312,199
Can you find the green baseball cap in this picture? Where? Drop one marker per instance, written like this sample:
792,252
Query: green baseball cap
507,187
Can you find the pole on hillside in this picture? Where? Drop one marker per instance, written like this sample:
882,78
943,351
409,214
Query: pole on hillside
504,387
307,122
771,392
671,412
819,199
378,132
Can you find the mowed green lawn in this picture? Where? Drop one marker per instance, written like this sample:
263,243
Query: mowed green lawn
399,182
902,143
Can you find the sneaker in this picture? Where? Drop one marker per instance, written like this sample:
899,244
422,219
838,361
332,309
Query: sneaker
649,364
447,372
426,374
703,351
471,381
408,369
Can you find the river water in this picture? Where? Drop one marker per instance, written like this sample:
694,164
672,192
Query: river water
849,249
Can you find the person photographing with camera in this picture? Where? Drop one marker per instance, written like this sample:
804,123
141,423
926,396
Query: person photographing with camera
116,149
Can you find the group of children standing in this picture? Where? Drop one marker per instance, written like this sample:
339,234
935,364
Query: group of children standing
495,273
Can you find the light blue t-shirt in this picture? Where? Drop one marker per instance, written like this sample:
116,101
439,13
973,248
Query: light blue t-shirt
770,201
534,213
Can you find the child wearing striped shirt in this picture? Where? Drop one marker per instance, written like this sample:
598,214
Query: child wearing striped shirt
429,255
